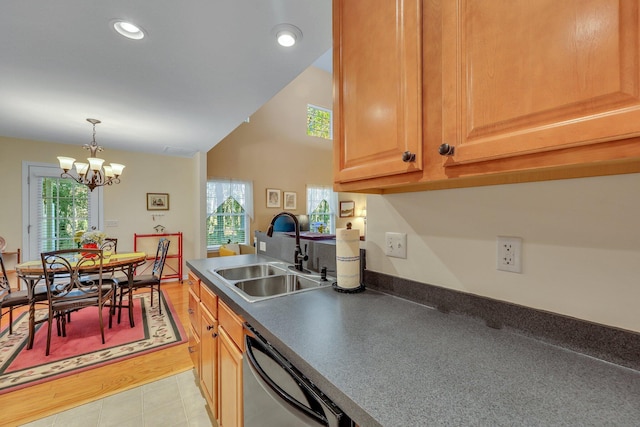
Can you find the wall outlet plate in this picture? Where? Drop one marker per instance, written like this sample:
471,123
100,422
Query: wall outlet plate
395,245
263,246
509,254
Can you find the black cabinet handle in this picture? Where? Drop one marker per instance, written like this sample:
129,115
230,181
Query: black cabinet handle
214,335
408,156
209,327
446,150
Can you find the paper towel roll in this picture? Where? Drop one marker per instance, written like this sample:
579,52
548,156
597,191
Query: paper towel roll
348,258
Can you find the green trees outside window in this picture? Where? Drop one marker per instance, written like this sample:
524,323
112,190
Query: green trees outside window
321,208
319,122
226,224
64,210
229,207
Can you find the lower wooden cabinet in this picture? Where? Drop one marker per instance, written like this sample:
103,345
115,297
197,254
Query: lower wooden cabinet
194,348
230,357
209,359
194,320
216,346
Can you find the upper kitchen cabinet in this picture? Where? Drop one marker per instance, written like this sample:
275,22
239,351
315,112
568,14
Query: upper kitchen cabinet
551,83
377,88
507,91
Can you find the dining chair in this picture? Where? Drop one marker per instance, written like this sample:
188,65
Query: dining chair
110,243
151,281
15,298
71,288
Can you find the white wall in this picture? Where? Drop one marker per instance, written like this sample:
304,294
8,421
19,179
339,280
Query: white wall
581,243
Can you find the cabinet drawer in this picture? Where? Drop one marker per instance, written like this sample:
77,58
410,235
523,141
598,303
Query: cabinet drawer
209,300
194,284
232,324
194,311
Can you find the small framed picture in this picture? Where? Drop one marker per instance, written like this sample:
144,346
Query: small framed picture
290,200
157,201
273,198
347,209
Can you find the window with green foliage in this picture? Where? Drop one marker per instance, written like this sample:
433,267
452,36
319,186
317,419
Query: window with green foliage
321,208
319,122
229,208
64,209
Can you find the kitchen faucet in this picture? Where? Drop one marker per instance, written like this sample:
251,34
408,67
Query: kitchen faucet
298,256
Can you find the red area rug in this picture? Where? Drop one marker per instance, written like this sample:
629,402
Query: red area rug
82,348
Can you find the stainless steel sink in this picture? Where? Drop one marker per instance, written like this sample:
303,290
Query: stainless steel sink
276,285
250,271
257,282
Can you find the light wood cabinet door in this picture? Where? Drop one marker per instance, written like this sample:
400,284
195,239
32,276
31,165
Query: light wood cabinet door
194,311
194,329
194,348
209,359
194,283
377,88
525,77
230,359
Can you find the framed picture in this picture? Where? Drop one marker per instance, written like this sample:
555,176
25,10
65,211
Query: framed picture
273,198
290,200
347,209
157,201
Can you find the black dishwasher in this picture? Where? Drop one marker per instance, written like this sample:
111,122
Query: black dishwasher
276,394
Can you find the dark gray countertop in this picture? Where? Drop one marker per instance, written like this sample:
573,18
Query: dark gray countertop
391,362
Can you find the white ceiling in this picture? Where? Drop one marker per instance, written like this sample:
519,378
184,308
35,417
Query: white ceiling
204,67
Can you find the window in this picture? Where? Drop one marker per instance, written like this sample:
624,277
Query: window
58,208
319,122
321,208
229,212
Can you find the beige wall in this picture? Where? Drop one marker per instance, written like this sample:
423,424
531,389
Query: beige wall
581,243
273,149
124,202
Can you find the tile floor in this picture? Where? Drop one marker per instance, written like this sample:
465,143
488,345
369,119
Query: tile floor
173,401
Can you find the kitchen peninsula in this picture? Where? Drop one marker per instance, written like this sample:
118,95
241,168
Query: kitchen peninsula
387,361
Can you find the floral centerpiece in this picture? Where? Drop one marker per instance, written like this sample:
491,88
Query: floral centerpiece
93,238
77,237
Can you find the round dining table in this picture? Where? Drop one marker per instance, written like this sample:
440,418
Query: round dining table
31,272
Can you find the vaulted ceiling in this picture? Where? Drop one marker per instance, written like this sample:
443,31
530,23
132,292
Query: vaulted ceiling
202,69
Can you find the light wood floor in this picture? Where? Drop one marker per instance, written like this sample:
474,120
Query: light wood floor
51,397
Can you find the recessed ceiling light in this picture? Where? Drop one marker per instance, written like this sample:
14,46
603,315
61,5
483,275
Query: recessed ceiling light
128,30
286,38
287,35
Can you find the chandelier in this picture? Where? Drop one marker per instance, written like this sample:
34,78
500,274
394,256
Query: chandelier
92,174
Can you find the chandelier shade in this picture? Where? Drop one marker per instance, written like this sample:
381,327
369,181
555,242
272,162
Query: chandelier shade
95,173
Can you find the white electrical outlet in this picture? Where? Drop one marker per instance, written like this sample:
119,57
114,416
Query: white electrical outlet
395,245
111,223
263,246
509,254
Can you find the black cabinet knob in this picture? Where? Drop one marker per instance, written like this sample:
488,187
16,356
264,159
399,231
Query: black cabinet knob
446,150
209,327
408,156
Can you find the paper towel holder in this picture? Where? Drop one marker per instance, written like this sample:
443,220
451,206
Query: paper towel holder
337,288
